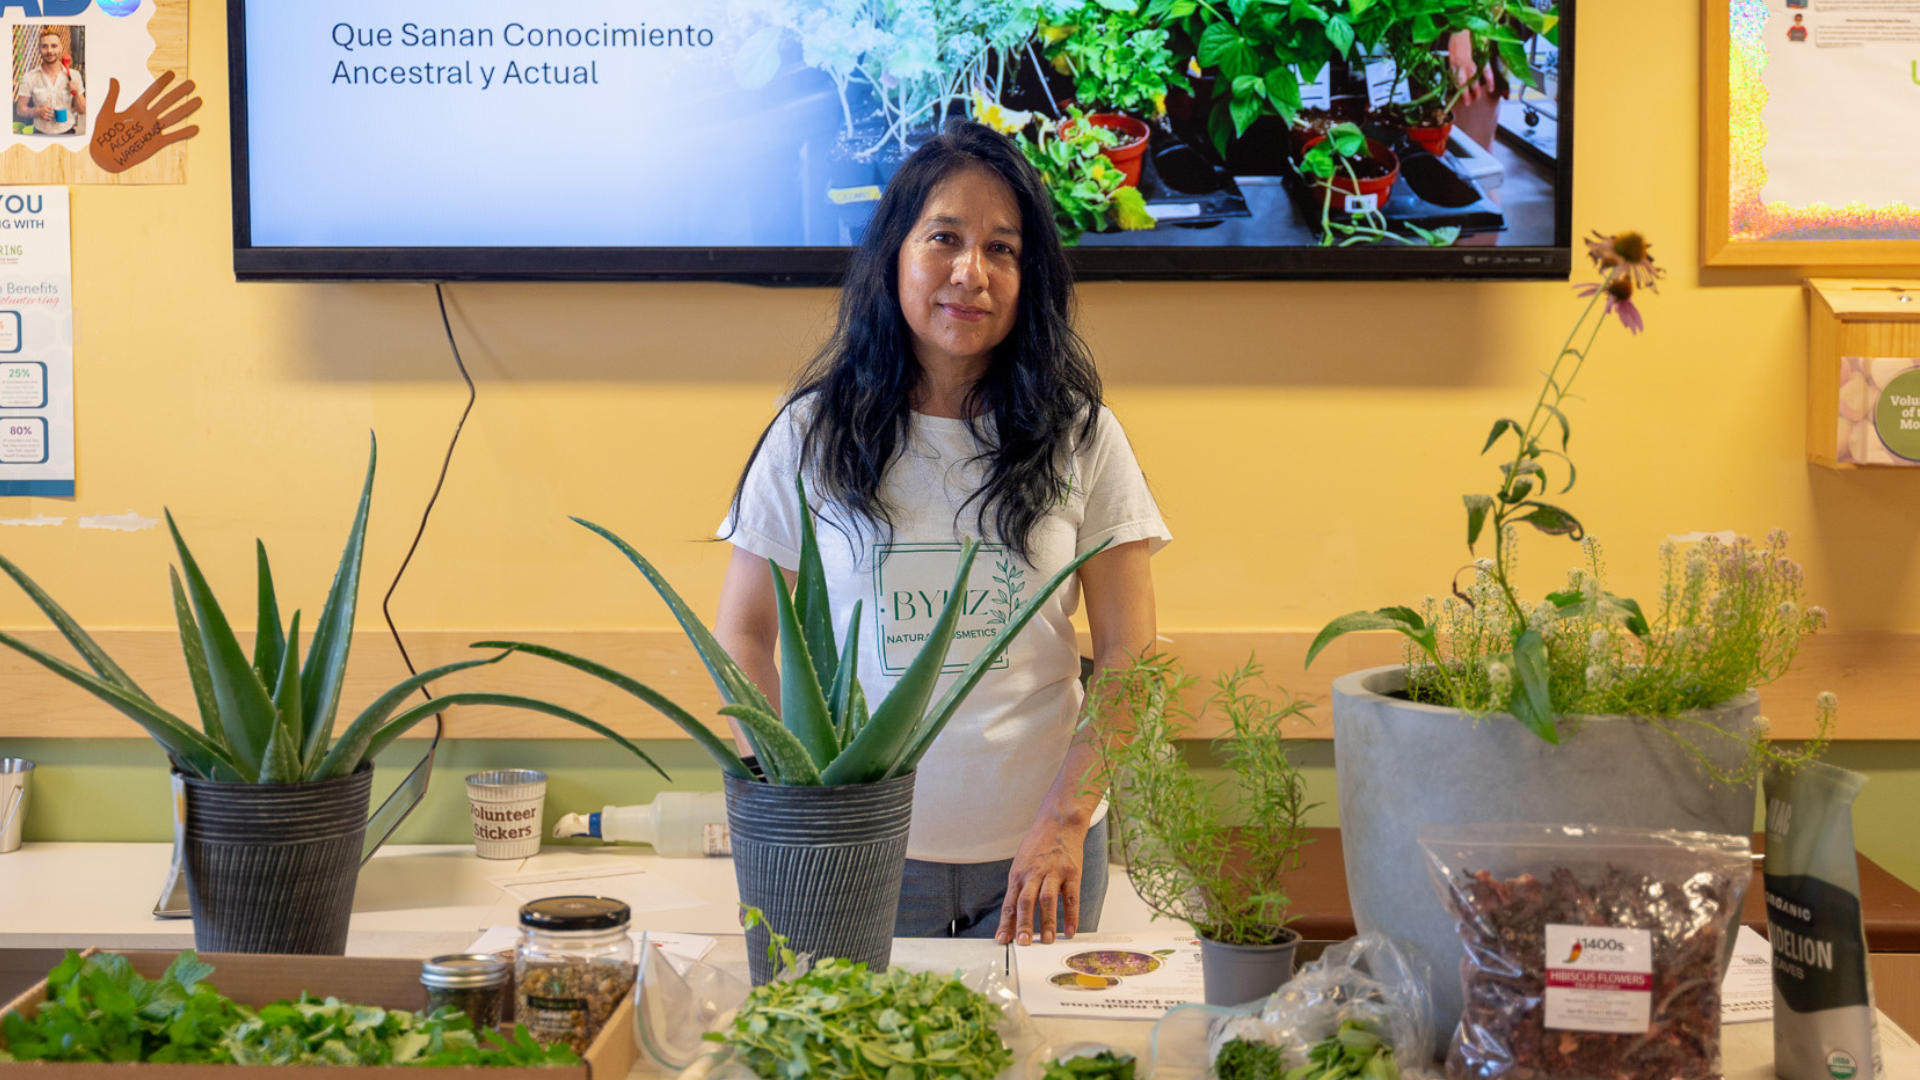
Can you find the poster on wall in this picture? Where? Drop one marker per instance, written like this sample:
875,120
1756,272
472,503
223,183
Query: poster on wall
77,88
1813,143
36,343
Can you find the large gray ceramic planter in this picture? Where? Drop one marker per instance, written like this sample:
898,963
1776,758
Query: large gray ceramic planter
823,864
1400,765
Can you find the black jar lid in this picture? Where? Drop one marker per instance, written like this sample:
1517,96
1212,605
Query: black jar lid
561,913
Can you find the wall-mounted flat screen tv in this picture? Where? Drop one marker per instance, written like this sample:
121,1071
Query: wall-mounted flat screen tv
749,139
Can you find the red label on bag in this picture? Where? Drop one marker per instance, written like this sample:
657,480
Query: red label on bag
1600,980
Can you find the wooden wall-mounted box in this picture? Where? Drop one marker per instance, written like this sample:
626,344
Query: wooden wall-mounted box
1863,375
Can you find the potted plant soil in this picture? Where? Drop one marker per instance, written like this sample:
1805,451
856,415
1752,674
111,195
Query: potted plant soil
820,827
1191,858
1128,147
1579,709
276,806
1355,174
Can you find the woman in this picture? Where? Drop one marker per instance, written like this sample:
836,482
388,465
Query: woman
954,400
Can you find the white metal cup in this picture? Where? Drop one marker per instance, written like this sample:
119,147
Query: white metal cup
506,807
14,773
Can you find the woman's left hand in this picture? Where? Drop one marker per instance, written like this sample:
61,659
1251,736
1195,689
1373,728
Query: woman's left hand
1046,872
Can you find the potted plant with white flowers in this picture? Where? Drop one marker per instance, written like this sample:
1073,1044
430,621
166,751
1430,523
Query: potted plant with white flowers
1581,708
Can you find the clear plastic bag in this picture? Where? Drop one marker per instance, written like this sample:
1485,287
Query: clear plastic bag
673,1012
1592,952
1367,979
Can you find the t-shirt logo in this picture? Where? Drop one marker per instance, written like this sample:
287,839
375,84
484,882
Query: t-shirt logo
910,585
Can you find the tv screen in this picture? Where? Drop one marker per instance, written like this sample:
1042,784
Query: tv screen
749,139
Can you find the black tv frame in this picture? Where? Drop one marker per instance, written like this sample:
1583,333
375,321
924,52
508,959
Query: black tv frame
826,265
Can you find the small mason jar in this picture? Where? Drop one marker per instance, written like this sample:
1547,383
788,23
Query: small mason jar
474,983
572,968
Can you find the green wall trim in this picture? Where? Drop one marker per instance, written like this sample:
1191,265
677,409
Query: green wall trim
116,789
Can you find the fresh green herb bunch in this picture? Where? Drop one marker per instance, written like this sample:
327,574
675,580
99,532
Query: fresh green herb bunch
1354,1052
839,1021
1105,1065
1118,58
267,719
99,1009
1730,615
334,1032
1184,854
824,734
1245,1059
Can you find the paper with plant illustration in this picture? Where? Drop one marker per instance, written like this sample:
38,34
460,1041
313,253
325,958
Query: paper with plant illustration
1109,976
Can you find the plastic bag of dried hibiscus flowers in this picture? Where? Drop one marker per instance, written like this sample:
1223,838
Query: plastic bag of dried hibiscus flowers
1592,952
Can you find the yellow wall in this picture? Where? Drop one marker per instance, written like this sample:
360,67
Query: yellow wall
1308,442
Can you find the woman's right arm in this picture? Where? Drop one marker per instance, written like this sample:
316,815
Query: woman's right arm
748,625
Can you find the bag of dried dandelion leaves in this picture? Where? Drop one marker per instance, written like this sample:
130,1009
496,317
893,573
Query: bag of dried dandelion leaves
1592,953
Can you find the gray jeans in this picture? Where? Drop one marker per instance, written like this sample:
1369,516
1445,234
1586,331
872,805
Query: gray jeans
964,899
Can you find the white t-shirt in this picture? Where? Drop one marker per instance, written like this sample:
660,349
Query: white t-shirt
39,89
979,788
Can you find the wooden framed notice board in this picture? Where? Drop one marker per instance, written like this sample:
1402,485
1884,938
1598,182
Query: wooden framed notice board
1811,133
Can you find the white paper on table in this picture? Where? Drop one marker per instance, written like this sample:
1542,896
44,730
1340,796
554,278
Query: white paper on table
681,950
1746,994
640,890
1109,976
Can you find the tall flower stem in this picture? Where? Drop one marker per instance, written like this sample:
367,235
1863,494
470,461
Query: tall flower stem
1506,504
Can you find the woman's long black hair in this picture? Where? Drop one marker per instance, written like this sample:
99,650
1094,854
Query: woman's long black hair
1039,392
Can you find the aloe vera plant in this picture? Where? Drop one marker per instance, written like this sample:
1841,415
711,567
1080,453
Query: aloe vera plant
825,733
267,718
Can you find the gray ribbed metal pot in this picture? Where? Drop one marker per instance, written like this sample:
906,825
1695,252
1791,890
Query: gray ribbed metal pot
271,868
1400,765
1237,974
823,864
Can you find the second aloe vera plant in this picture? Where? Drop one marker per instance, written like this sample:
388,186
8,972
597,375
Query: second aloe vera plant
820,831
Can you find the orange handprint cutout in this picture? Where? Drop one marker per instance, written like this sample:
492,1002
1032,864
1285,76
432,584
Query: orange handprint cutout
122,140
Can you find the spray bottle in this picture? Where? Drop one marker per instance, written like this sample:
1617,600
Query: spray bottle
679,824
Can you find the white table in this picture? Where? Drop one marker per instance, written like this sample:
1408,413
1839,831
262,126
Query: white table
424,900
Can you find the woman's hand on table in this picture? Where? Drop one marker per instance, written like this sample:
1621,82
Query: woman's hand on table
1045,879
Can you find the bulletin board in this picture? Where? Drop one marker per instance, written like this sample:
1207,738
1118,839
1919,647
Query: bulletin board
95,40
1811,133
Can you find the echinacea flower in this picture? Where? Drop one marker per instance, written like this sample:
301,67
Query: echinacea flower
1619,290
1628,252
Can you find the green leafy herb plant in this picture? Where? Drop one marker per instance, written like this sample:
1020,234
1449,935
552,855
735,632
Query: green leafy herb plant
1190,854
267,718
99,1009
1417,41
1118,58
1332,164
1261,54
825,734
1730,616
1089,192
836,1020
